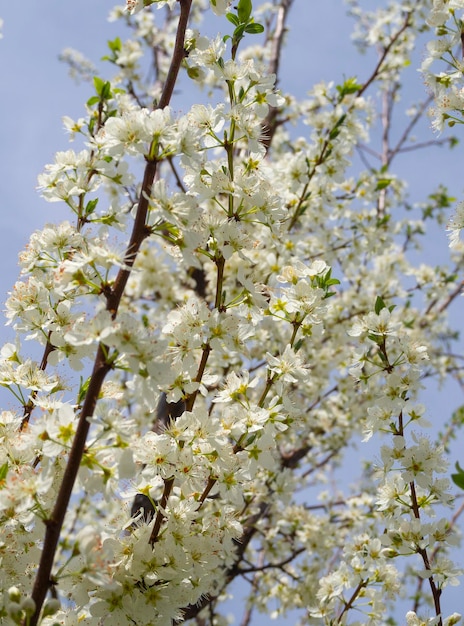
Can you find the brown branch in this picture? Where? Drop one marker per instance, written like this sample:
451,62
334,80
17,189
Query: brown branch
29,407
350,603
101,367
279,565
179,182
407,131
426,144
54,524
384,55
178,54
168,484
454,294
420,581
436,591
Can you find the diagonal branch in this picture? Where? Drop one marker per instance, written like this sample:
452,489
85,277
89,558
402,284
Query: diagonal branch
101,366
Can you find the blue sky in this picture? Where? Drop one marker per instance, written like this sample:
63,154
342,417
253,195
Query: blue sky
35,92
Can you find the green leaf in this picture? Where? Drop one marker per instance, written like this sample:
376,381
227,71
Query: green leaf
83,387
98,84
350,85
378,340
90,207
233,18
458,479
238,32
106,91
254,29
329,294
382,183
383,221
379,305
244,9
458,416
298,345
3,471
336,129
93,100
115,45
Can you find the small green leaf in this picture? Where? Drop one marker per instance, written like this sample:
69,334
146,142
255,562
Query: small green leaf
382,183
98,84
93,100
90,207
350,85
193,72
458,479
238,32
115,45
298,345
106,91
83,387
336,129
254,29
329,294
378,340
233,18
244,9
458,416
3,471
379,305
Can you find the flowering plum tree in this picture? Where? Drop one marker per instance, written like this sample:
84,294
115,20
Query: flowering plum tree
231,302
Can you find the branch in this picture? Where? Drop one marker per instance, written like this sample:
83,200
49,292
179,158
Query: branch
420,581
29,407
349,604
384,55
279,565
101,367
454,294
407,131
426,144
54,524
436,591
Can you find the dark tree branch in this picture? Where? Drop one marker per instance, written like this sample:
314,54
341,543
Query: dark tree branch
101,367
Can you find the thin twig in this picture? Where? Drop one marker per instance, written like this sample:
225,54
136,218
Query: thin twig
384,55
436,591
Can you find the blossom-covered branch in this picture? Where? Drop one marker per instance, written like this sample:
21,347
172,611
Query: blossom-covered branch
232,302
